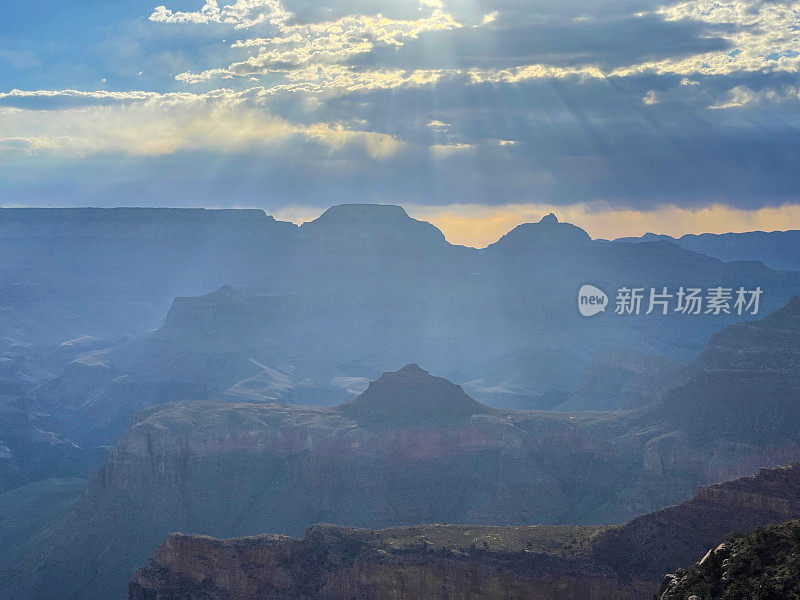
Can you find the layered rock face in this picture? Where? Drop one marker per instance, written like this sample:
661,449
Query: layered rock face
624,380
412,448
411,397
333,563
448,561
746,385
675,536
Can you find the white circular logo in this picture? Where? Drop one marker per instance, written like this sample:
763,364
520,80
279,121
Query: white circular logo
591,300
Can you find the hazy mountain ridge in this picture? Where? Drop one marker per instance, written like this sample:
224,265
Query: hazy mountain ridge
777,249
342,307
111,272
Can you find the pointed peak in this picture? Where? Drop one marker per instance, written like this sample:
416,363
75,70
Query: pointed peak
549,219
549,232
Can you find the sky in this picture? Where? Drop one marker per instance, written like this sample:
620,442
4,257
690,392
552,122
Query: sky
622,116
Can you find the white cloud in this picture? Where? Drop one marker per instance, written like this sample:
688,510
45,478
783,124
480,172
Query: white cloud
323,43
444,150
144,123
651,98
536,71
329,80
489,18
742,96
439,126
763,36
241,14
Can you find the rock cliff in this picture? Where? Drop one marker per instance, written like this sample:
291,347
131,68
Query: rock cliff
449,561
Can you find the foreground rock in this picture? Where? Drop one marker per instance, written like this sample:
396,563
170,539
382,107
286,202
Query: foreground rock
662,541
430,562
763,564
449,561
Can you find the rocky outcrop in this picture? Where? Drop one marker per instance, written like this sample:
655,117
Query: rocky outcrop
674,536
231,469
413,448
358,291
357,224
762,564
769,345
78,272
449,561
334,563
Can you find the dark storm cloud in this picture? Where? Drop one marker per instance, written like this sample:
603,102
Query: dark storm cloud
607,43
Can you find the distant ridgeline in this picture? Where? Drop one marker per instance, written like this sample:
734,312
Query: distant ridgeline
132,307
776,249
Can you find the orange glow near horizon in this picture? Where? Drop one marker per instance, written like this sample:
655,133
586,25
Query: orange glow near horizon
481,225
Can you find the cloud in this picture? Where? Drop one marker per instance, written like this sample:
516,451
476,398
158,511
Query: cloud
489,18
537,71
762,35
440,151
300,45
741,96
758,36
331,80
241,14
651,97
439,126
149,124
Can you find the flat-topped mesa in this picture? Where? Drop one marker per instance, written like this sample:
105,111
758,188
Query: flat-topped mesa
364,213
412,396
136,223
547,233
352,222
